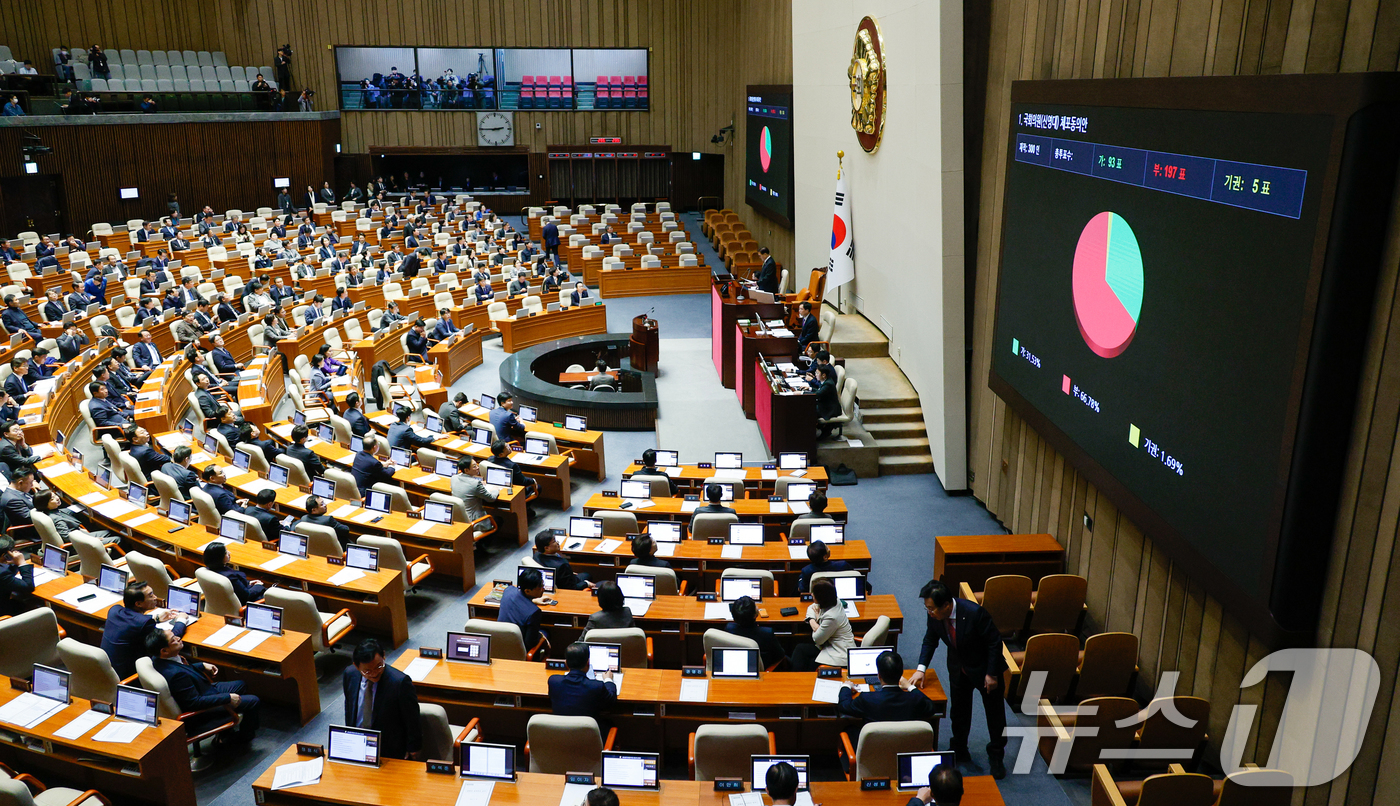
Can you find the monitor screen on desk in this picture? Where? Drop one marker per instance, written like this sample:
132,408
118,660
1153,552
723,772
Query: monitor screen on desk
357,443
733,588
230,529
801,491
828,533
110,579
136,705
728,461
211,444
762,763
298,418
187,426
915,768
377,500
603,658
278,475
136,494
50,683
437,512
481,436
323,488
56,560
326,432
469,647
537,446
492,761
400,457
179,512
849,589
734,662
668,458
792,461
183,600
242,459
860,661
445,467
364,558
745,534
292,543
574,422
664,531
487,402
546,573
353,746
104,477
529,414
637,586
585,527
637,488
631,770
432,422
264,618
498,476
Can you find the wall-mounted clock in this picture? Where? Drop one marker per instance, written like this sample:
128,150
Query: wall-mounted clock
495,129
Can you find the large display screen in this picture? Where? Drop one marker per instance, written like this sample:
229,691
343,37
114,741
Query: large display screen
1163,311
768,151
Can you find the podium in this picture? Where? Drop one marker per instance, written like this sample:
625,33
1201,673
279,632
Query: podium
645,344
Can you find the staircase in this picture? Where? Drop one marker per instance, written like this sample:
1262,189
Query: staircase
898,429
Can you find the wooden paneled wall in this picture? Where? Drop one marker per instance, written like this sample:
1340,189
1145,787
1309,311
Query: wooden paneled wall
1030,488
702,55
224,165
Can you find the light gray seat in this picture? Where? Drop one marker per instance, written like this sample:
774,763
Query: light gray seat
560,744
768,585
300,614
219,597
636,647
506,640
880,743
723,751
705,525
665,578
392,558
92,676
618,524
803,529
29,638
14,792
441,739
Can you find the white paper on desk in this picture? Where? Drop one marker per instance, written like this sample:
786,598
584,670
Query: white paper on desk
421,527
529,458
277,562
80,725
693,690
429,386
172,441
386,419
222,635
797,552
300,773
731,475
850,610
666,549
799,507
781,333
804,798
42,575
140,519
643,504
156,395
854,443
200,456
299,502
827,690
778,507
60,469
426,478
344,511
769,475
258,485
797,474
365,516
671,471
345,576
607,546
250,642
732,552
716,610
252,401
746,799
638,607
92,498
689,506
100,598
418,668
475,793
575,794
116,508
457,444
28,710
119,731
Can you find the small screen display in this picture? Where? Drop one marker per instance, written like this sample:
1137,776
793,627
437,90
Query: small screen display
469,647
136,494
637,586
498,476
762,763
860,661
50,683
800,492
495,761
828,533
664,531
182,600
264,618
546,573
636,489
849,589
733,662
746,534
732,588
915,768
537,446
377,500
529,414
278,475
179,512
400,457
112,580
574,422
230,529
729,461
323,488
792,461
56,559
668,458
353,746
137,705
293,544
365,558
437,512
445,467
586,527
630,770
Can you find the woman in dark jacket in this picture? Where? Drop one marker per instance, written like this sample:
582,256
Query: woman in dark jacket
828,402
247,590
614,614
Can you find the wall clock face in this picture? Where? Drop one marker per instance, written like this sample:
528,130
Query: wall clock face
867,79
495,129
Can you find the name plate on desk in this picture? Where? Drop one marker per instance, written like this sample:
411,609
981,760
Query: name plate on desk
797,541
705,465
335,560
19,684
875,785
442,767
554,665
715,541
830,672
609,493
692,671
775,498
770,466
233,621
692,498
707,596
270,546
743,716
100,707
585,778
308,749
729,784
434,653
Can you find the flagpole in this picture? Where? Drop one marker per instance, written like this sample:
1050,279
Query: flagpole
840,291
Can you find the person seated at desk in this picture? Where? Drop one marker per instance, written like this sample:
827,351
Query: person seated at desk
894,701
17,321
601,376
17,580
391,316
651,471
147,233
831,631
613,612
185,331
143,450
192,689
444,326
417,341
146,311
580,294
767,279
480,273
945,788
216,560
9,410
807,326
500,455
204,319
17,502
469,489
214,479
208,406
342,301
828,402
15,453
551,280
402,435
54,309
249,434
483,290
644,553
71,343
382,698
223,359
519,284
601,796
318,514
178,469
781,780
547,554
450,412
78,300
223,310
368,470
573,694
15,384
171,300
124,632
744,613
320,379
520,605
504,421
104,411
355,415
228,426
329,365
308,458
714,494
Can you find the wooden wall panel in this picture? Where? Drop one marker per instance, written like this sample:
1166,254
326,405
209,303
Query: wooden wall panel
1134,584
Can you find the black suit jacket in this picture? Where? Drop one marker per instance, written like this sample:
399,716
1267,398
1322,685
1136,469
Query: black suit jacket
808,334
185,478
828,402
369,471
564,576
573,694
271,524
978,652
359,423
54,311
17,388
313,464
342,532
768,276
149,457
886,704
395,711
14,457
145,355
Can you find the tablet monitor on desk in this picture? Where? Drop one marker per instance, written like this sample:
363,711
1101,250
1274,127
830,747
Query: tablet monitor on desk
574,422
733,588
378,501
50,683
915,768
364,558
588,528
745,534
849,589
726,490
136,493
481,436
187,426
179,512
487,402
136,705
279,475
353,746
630,770
603,658
762,763
664,531
498,477
323,488
546,573
728,461
211,445
242,459
56,560
326,432
494,762
792,461
445,467
298,418
469,647
801,491
104,477
292,543
59,437
357,443
183,600
636,489
437,512
668,458
637,586
111,579
537,446
264,618
828,533
231,529
734,662
529,414
400,457
432,422
860,661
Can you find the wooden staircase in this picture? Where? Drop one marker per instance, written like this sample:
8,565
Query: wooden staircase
898,429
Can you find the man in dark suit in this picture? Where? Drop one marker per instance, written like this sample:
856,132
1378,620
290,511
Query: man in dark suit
368,470
380,697
444,326
15,453
168,230
450,412
16,320
519,606
820,556
178,468
147,232
807,326
411,264
54,309
500,455
208,406
146,354
71,343
714,494
651,471
15,384
261,511
573,694
547,554
974,663
503,420
342,301
355,415
768,275
192,689
418,340
17,501
124,633
550,235
203,319
828,402
317,514
894,701
144,451
402,435
744,611
223,359
580,295
16,580
78,300
214,479
104,411
308,458
483,290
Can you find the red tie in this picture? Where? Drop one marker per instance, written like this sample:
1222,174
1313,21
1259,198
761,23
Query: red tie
952,632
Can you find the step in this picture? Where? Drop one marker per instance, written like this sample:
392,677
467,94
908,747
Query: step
902,414
905,465
895,430
860,349
867,402
904,446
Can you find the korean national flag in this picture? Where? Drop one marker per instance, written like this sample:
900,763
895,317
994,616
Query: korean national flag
842,266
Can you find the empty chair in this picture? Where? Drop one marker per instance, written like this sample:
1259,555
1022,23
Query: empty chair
618,524
222,73
1058,602
155,573
227,85
15,792
147,71
163,71
714,637
1107,666
117,84
300,614
220,60
322,541
238,74
1160,732
391,557
705,525
92,675
1056,654
1088,733
205,58
876,752
878,633
723,751
196,85
441,739
178,71
665,579
506,642
92,555
559,744
1167,789
636,652
209,74
1007,598
128,56
768,586
29,638
803,529
165,85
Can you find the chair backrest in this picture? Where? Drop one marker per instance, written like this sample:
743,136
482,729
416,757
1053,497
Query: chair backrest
1098,730
151,680
296,471
1007,598
150,571
1059,601
618,524
560,744
92,555
1177,789
1109,665
878,633
132,469
506,641
167,488
711,524
665,585
299,613
345,486
219,597
438,741
48,533
803,528
1056,654
398,498
110,448
391,556
881,742
323,541
92,676
633,641
209,516
14,792
1160,731
714,637
1258,787
459,509
768,584
29,638
723,751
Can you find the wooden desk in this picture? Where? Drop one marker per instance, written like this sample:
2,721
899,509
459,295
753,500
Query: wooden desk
750,343
456,358
643,282
311,338
726,309
383,346
61,413
154,768
386,785
677,624
749,510
585,320
756,479
280,669
569,378
787,418
257,397
974,558
586,445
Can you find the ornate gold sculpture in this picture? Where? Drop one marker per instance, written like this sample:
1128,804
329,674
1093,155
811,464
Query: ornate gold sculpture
867,77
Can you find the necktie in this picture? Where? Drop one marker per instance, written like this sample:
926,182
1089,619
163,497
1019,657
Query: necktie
952,632
366,714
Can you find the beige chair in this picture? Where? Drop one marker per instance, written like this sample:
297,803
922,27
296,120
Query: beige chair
705,525
665,584
398,498
558,744
114,457
1107,666
506,641
296,471
723,751
636,650
342,428
167,489
300,614
1256,787
1056,654
29,638
92,554
92,676
441,739
15,792
166,708
618,524
209,516
803,528
848,407
345,487
768,585
1007,598
391,557
1058,603
833,575
156,574
714,637
219,597
876,752
1086,735
322,540
878,633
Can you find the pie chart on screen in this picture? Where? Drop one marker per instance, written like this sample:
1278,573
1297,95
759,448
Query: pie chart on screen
765,149
1107,284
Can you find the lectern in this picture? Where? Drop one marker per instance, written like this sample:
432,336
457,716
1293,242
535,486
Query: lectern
645,343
